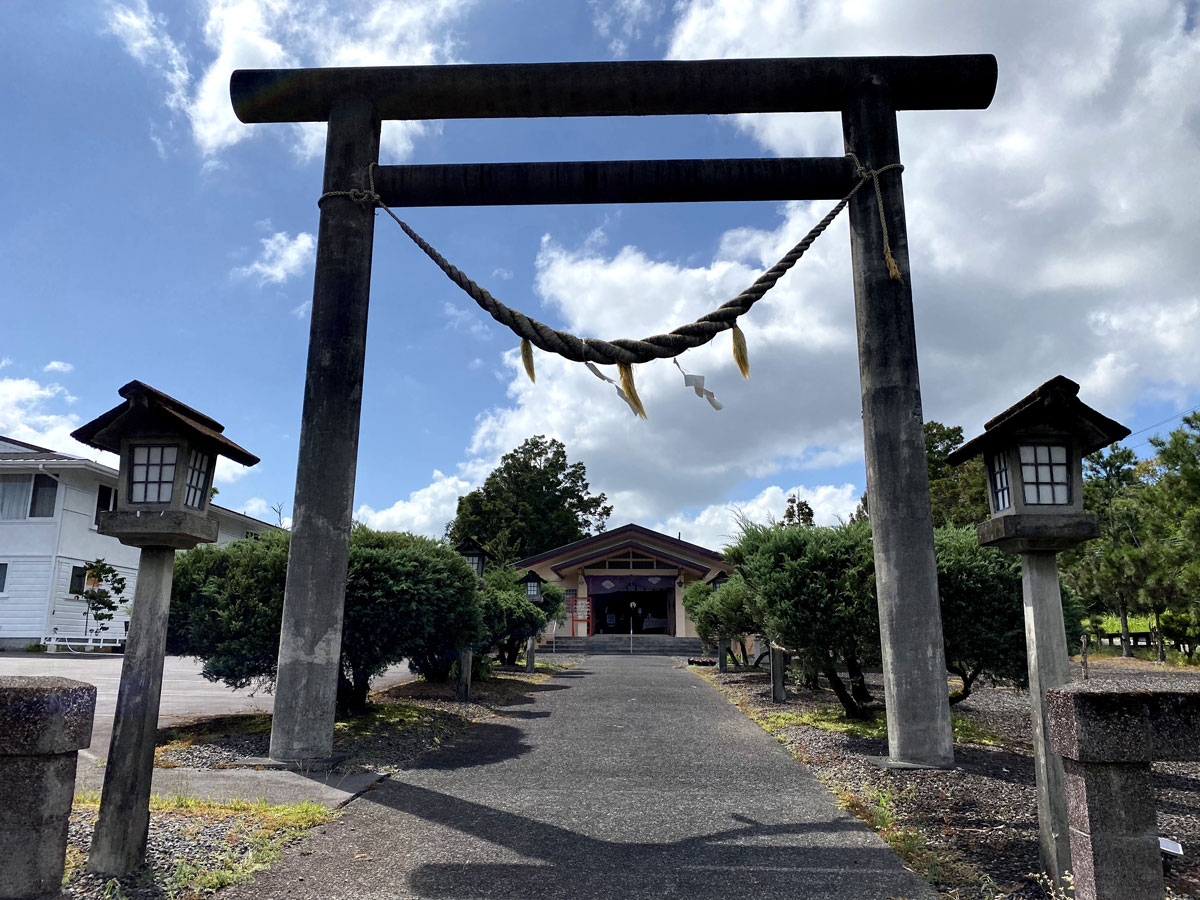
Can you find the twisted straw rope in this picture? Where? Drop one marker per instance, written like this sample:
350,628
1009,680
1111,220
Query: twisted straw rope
625,351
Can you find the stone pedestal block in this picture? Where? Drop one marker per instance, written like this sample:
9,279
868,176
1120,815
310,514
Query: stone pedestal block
1107,737
43,724
531,654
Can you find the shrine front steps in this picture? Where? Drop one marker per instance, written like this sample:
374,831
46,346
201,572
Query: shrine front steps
619,644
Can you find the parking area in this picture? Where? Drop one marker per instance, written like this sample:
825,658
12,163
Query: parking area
186,694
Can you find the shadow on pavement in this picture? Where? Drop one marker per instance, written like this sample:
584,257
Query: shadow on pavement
565,863
485,743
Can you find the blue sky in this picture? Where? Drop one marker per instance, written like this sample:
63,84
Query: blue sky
150,235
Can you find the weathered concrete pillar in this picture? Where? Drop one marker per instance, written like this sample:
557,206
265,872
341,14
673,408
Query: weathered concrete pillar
910,624
779,664
722,654
1107,738
119,839
462,689
310,639
44,722
1049,668
531,653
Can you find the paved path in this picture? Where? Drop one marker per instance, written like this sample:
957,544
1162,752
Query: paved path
627,777
186,694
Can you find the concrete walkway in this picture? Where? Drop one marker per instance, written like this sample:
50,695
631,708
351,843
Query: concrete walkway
621,778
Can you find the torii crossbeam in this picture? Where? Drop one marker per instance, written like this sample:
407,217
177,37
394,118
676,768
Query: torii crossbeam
867,91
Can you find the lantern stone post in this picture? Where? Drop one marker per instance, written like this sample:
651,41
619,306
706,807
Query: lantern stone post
168,452
1034,456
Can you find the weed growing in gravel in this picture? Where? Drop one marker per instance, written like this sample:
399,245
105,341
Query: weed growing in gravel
256,836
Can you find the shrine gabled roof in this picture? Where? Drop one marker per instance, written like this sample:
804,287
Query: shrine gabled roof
1055,403
598,546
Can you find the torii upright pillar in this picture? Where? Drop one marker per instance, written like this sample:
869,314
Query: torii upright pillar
867,91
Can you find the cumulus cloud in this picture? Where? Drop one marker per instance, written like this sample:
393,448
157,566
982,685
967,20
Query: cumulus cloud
259,508
426,511
280,34
5,362
623,21
229,472
282,257
471,320
59,367
31,412
716,526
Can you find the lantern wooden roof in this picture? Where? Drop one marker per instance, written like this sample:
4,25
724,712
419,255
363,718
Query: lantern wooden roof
148,410
1055,404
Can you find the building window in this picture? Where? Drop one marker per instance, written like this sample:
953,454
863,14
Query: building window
106,501
27,497
153,474
45,490
78,580
1001,496
197,483
1045,475
3,576
14,496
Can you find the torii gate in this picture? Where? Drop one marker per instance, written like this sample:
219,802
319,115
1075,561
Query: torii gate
867,91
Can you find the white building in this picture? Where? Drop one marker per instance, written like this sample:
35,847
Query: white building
49,506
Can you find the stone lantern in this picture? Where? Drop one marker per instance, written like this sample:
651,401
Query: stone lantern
1033,453
168,452
531,586
472,551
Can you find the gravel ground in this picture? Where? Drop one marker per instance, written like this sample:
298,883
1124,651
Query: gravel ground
384,750
206,841
983,812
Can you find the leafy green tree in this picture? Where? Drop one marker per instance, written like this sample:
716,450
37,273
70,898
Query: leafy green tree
102,593
957,494
983,619
814,591
1183,629
1110,572
533,501
721,613
407,597
509,616
798,512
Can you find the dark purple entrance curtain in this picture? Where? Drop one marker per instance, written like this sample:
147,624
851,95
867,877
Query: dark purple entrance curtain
612,584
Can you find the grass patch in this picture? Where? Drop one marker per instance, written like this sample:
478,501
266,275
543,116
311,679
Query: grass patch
257,834
386,719
204,731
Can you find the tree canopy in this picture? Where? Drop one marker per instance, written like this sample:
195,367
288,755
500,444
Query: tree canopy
533,501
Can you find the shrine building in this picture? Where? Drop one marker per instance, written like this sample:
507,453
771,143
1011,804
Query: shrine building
629,579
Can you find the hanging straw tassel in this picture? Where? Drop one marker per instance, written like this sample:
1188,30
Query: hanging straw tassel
893,269
741,355
527,357
627,386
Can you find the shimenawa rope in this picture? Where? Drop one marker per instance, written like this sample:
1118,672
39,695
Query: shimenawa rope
625,352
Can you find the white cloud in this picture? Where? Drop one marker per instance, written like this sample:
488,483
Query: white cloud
58,366
624,20
426,511
282,34
716,525
303,310
472,320
229,472
282,257
30,412
5,362
259,508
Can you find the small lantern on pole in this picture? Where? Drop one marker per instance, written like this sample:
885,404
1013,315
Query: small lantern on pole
1033,453
531,584
168,453
472,551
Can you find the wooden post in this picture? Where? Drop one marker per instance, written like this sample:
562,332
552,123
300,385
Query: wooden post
910,625
311,637
1049,668
119,838
779,663
722,653
462,688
